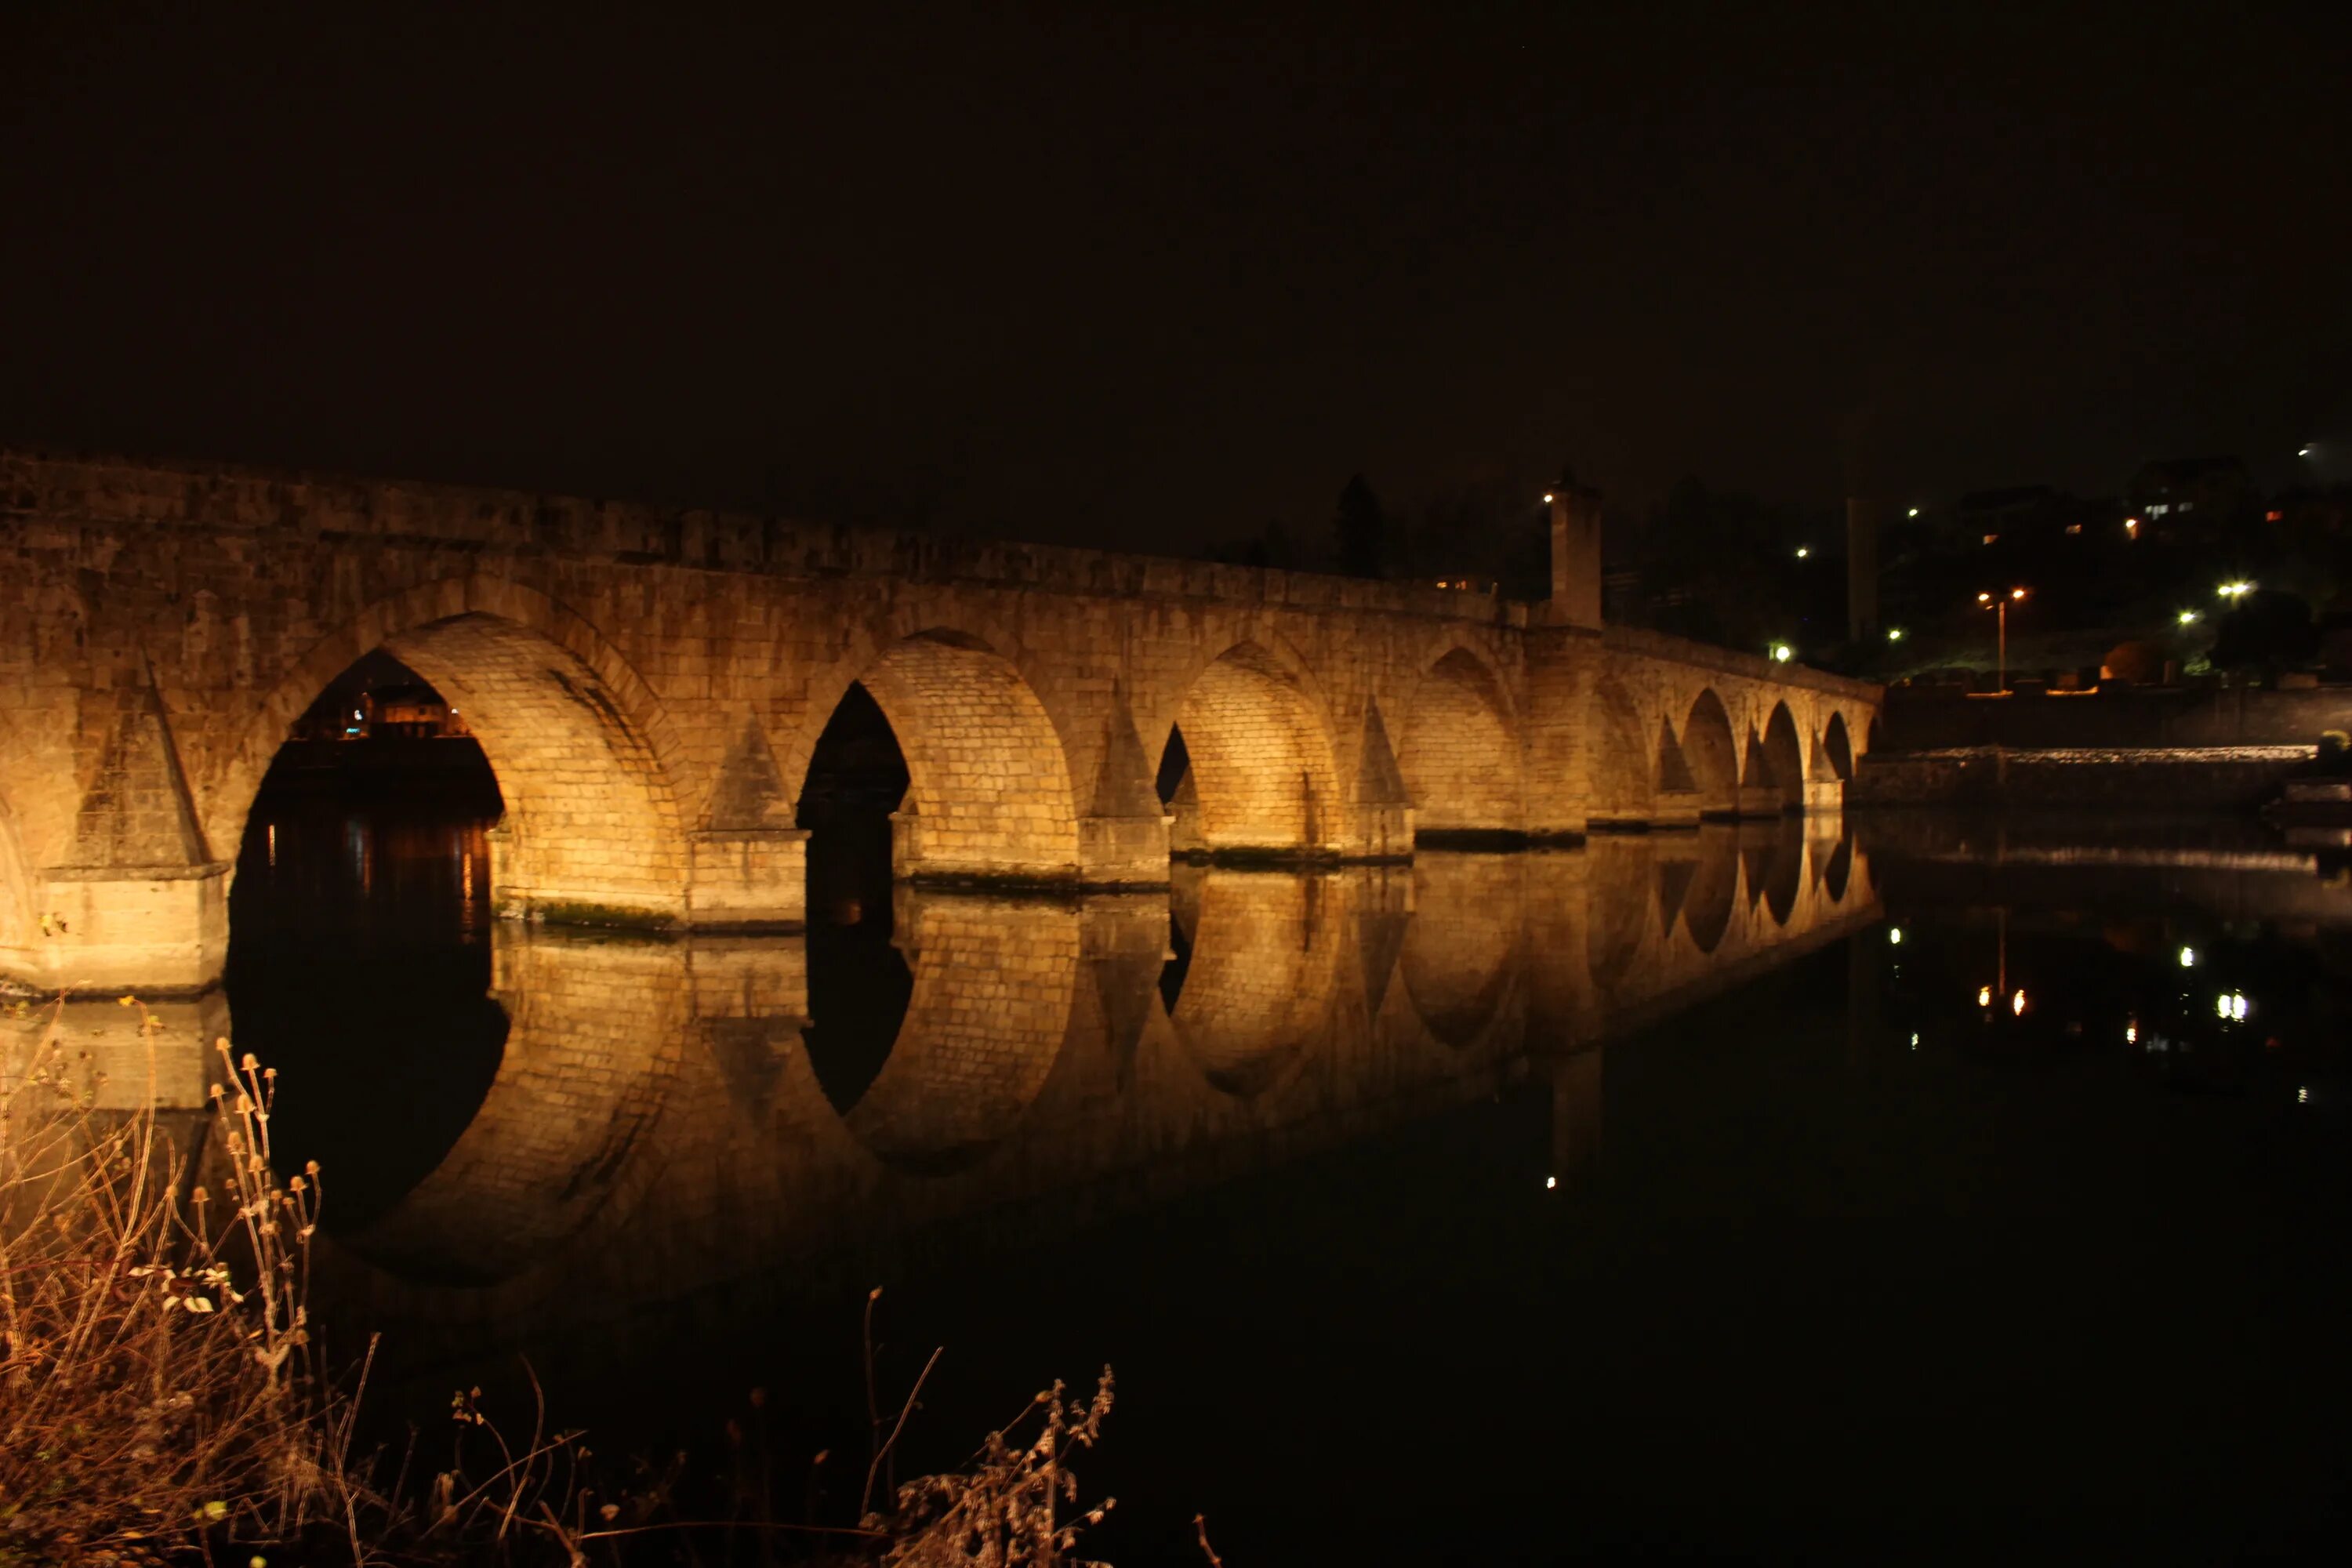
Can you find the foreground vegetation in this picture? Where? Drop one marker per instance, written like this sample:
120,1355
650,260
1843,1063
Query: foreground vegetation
163,1399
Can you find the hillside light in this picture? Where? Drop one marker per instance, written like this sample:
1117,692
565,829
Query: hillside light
2131,528
1895,935
2188,958
1546,498
2304,451
2188,617
1912,512
1895,634
1782,653
1803,550
2236,590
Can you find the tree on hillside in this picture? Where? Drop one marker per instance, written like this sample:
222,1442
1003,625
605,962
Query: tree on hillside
1360,529
2268,630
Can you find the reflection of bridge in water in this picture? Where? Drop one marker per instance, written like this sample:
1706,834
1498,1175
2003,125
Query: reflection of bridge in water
656,1125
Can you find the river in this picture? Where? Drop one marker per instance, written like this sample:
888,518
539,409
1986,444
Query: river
1904,1186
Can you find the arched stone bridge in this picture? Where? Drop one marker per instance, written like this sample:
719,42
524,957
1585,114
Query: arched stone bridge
649,686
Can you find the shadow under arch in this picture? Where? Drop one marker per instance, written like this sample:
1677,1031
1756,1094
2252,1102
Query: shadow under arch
1837,746
564,1135
1261,987
1461,944
1261,758
988,791
1712,754
1784,758
1714,888
581,749
1460,754
993,982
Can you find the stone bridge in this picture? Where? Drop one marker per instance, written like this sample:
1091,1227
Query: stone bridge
649,686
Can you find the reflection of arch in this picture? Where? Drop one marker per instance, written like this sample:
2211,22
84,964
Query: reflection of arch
1714,885
1835,874
1620,889
1461,944
988,782
1262,981
1261,757
1460,756
1620,757
590,1060
1784,758
1713,759
581,749
993,984
1837,747
1778,869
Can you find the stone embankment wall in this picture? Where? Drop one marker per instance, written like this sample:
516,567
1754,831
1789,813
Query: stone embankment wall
2120,749
1922,719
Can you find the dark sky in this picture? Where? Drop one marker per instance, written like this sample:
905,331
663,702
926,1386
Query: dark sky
1143,278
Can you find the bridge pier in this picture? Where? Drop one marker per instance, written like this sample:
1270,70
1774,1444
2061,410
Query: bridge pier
159,930
748,878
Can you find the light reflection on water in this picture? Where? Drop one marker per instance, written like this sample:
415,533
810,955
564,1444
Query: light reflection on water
1669,1143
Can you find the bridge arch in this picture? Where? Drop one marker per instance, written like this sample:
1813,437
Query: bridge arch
1837,746
1622,757
1784,758
583,751
1460,755
1261,760
1711,755
988,779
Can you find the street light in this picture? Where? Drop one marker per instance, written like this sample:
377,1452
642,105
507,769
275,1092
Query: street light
2001,611
2236,590
1803,550
2188,617
1895,634
1912,512
1782,653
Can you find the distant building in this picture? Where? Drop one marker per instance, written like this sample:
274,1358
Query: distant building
1987,517
409,712
2184,495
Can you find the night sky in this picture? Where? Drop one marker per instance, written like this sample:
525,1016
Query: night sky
1146,279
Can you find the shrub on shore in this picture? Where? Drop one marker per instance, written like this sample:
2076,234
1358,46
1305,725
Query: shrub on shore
162,1399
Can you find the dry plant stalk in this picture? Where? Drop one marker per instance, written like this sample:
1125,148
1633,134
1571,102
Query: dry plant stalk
1005,1511
155,1382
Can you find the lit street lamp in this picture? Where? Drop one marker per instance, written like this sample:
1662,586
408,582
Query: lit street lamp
1782,653
2236,590
2001,611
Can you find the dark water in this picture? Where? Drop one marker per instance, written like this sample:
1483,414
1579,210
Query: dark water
1655,1197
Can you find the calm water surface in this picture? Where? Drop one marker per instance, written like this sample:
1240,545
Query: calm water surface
1903,1187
